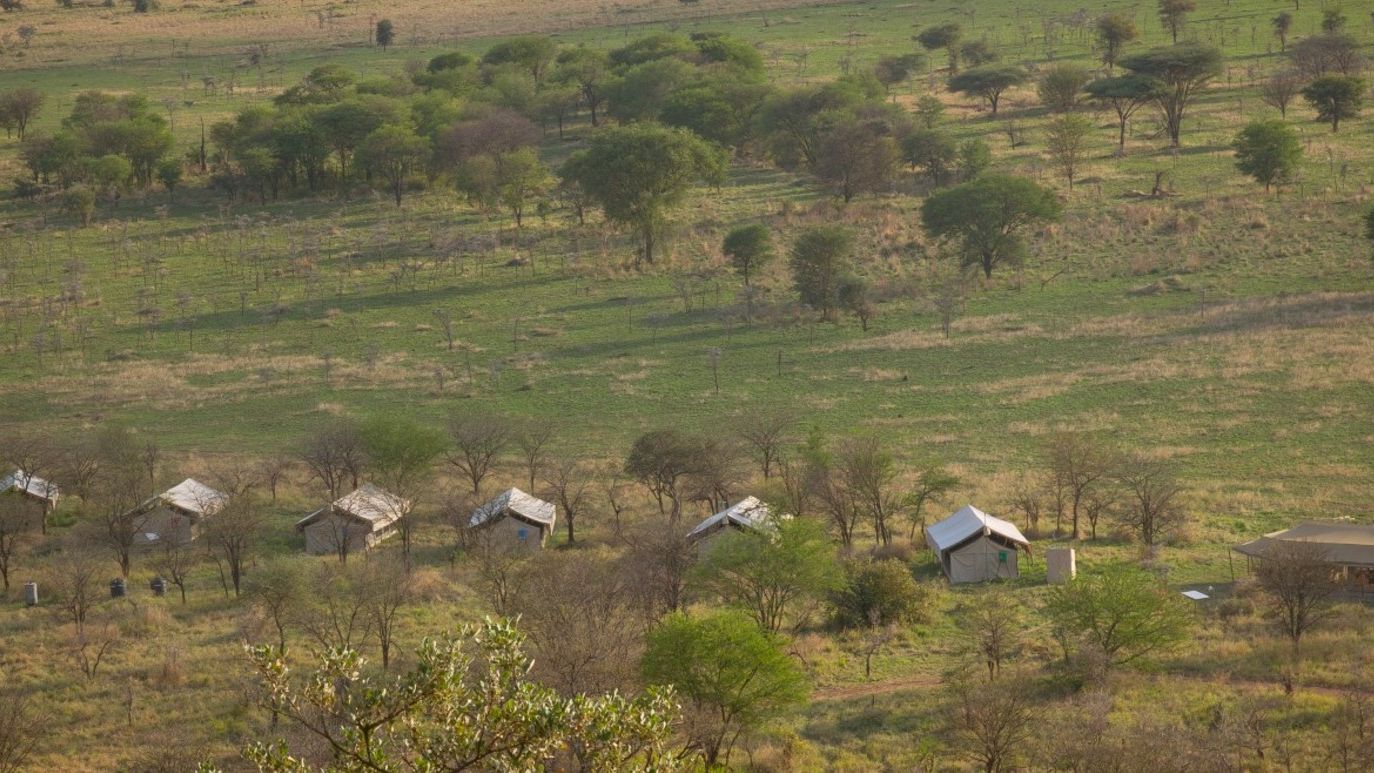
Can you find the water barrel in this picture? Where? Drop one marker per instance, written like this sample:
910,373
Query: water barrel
158,586
31,594
117,588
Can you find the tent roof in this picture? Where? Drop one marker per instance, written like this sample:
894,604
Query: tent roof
368,503
32,485
969,522
1345,543
748,513
517,503
193,496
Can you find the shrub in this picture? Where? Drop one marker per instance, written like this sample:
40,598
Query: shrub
879,593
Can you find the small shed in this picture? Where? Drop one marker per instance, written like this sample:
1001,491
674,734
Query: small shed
749,514
176,514
516,519
39,495
975,547
354,522
1349,547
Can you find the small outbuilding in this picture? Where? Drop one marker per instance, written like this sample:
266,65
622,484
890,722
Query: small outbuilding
1348,547
39,496
354,522
176,514
975,547
516,519
749,515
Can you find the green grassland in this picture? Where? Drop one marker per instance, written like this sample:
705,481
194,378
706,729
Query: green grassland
1220,326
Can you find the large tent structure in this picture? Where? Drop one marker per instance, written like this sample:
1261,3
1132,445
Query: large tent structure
354,522
516,519
176,514
976,547
748,515
1347,547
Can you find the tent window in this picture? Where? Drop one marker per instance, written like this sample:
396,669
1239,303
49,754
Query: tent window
1001,556
523,534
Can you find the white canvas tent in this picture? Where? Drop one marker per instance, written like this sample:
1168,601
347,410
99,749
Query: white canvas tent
355,521
510,517
32,487
749,514
976,547
176,514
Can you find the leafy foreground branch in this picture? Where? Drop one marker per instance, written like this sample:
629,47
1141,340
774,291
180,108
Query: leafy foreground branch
467,704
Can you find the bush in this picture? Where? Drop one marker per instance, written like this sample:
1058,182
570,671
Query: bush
879,593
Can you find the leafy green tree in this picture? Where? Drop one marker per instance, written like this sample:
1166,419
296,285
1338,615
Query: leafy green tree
468,704
720,110
1335,98
1184,69
533,53
18,107
749,248
977,52
169,174
769,574
946,36
856,156
401,456
79,202
855,295
932,151
385,34
734,675
895,70
393,153
650,48
638,173
929,111
1061,85
1282,24
974,158
1114,32
1333,20
589,69
345,124
324,85
1268,151
988,82
1121,614
1126,94
1066,141
877,594
820,257
986,215
1173,14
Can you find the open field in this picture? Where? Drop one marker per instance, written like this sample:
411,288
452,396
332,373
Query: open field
1218,326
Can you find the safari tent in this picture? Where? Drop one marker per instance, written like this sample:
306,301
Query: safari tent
176,514
975,547
515,519
1348,547
354,522
39,495
748,514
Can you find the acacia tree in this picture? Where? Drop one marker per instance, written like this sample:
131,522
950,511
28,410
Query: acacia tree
1279,89
1083,466
988,82
986,215
1114,32
1126,94
402,455
1120,615
18,107
1173,14
769,574
991,722
467,704
334,456
869,475
638,173
856,156
1060,86
568,484
664,461
946,36
734,676
1066,141
1282,24
393,153
1185,69
749,248
995,627
1335,98
766,433
1268,151
820,257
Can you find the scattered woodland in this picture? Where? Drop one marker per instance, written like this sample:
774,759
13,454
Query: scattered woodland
1102,272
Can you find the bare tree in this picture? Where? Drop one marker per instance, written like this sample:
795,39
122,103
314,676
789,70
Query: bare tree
1280,89
870,473
278,589
995,627
273,471
932,483
1082,465
1153,509
21,728
1296,578
532,442
478,440
337,616
445,320
34,454
115,503
173,561
15,524
577,608
568,484
992,722
1350,748
1027,498
657,563
90,644
497,562
718,474
766,433
75,580
386,587
234,531
334,456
